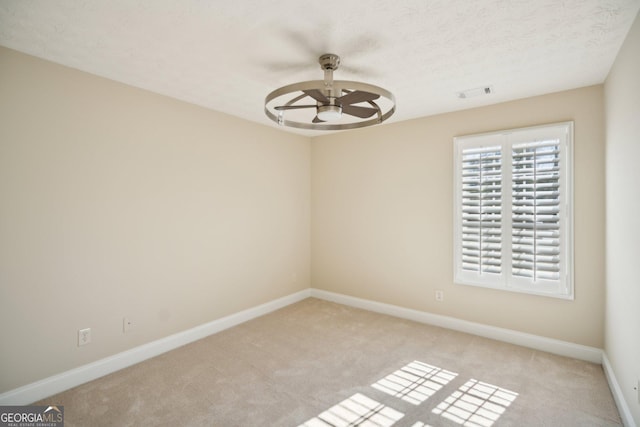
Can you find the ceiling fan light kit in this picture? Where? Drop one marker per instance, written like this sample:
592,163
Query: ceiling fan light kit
329,113
331,100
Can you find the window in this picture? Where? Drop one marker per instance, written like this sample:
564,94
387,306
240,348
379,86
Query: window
513,210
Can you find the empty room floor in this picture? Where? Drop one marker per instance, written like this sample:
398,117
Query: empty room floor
317,363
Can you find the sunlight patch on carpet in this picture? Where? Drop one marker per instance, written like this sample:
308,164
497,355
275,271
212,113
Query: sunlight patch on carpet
415,382
476,404
358,410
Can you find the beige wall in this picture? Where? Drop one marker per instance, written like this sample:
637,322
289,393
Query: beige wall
622,106
118,202
382,208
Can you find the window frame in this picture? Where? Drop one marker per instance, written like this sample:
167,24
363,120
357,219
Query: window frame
562,288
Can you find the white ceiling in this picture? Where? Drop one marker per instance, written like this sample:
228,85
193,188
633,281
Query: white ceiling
228,55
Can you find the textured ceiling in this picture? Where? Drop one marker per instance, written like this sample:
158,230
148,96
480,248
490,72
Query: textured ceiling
228,55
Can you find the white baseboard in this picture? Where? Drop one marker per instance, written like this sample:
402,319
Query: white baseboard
621,403
74,377
563,348
55,384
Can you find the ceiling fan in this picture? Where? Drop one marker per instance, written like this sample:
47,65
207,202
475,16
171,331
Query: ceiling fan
333,99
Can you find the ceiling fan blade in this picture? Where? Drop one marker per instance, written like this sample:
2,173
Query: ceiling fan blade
317,120
357,96
362,112
293,107
317,95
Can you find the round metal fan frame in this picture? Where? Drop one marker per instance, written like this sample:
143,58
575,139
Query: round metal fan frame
332,89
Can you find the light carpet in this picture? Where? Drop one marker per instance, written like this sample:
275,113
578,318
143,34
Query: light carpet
317,363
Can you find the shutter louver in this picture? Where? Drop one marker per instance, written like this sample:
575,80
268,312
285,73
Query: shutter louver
536,210
481,210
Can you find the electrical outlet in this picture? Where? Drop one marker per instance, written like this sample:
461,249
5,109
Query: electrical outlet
84,336
127,325
439,295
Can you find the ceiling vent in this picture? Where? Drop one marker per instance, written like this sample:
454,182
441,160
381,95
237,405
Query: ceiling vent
470,93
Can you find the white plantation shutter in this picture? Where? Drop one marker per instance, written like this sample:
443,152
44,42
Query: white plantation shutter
536,210
481,210
513,194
